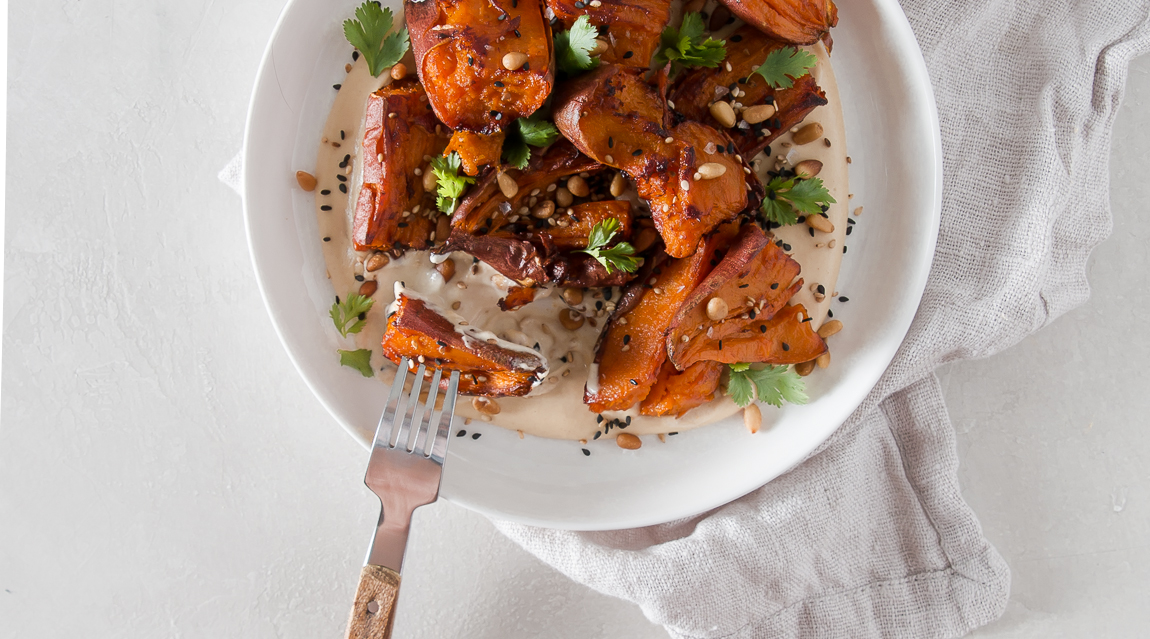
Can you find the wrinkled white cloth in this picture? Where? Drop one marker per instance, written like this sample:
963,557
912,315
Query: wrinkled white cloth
870,537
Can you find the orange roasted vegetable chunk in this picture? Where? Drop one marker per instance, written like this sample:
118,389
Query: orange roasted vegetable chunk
517,297
786,338
632,348
747,48
676,392
753,281
392,149
631,28
584,217
461,52
792,21
615,117
416,330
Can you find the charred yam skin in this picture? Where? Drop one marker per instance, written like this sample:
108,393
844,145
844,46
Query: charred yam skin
416,330
695,90
786,338
584,217
459,48
754,280
792,21
485,209
517,297
616,118
676,392
536,262
633,26
632,348
392,149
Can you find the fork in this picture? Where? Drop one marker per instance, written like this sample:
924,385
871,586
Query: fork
404,471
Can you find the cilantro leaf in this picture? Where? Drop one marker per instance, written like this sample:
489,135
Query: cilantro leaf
786,198
524,132
620,256
369,34
573,47
785,65
350,311
685,47
452,185
772,385
360,360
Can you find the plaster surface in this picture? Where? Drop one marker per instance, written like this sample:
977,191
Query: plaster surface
164,472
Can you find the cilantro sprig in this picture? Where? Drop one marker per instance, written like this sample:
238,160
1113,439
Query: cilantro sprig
621,256
452,185
786,198
523,134
573,47
369,33
351,314
785,65
685,47
359,359
770,384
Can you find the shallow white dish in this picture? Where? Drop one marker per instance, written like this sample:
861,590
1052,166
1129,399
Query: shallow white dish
893,138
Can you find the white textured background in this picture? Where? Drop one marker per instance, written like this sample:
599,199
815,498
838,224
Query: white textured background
164,472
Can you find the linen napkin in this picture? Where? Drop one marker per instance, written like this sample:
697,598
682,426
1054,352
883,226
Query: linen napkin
870,536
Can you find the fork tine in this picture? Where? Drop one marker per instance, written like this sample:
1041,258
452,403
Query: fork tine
394,398
443,418
409,409
420,412
425,426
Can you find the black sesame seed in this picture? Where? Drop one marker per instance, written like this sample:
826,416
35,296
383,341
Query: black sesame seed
493,113
811,230
359,278
442,344
325,192
477,435
586,453
844,249
402,225
673,434
830,313
752,314
470,61
342,187
807,320
634,383
604,29
743,285
514,4
517,34
720,344
731,148
337,87
786,247
736,38
628,54
844,298
762,328
502,17
598,419
610,142
774,286
526,66
821,289
599,305
343,165
341,178
355,55
579,5
628,420
327,239
598,434
461,433
849,229
499,84
325,207
786,346
637,152
626,339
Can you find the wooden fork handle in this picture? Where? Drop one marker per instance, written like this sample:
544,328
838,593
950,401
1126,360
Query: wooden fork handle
373,613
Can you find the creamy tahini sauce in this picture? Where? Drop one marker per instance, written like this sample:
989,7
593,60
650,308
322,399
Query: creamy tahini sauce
555,407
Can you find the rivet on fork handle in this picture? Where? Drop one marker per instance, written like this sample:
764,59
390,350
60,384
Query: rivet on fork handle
373,613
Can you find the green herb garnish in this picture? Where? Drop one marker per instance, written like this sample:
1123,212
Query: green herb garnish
369,34
451,183
523,134
573,47
620,256
685,47
770,384
351,311
786,198
360,360
785,65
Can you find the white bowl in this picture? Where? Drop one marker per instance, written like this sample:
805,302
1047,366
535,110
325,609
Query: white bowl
893,138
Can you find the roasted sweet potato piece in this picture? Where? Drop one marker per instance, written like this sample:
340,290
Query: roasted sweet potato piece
392,149
517,297
792,21
786,338
695,90
615,117
753,281
536,262
585,216
417,330
676,392
485,210
476,149
460,48
631,28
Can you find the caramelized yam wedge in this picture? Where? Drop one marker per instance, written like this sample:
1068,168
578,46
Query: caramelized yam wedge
476,149
485,209
584,217
462,51
497,369
633,347
792,21
696,89
676,392
536,262
632,27
616,118
784,339
753,281
392,149
517,297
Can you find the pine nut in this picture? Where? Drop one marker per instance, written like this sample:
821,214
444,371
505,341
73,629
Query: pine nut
752,418
711,170
820,223
717,309
805,368
508,185
719,18
600,47
758,113
808,133
830,328
570,319
515,60
306,180
573,296
545,210
824,360
807,169
723,113
485,405
628,441
376,262
578,186
646,239
429,181
443,227
368,288
399,71
563,197
618,185
446,268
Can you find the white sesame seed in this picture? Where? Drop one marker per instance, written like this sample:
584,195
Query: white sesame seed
683,184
